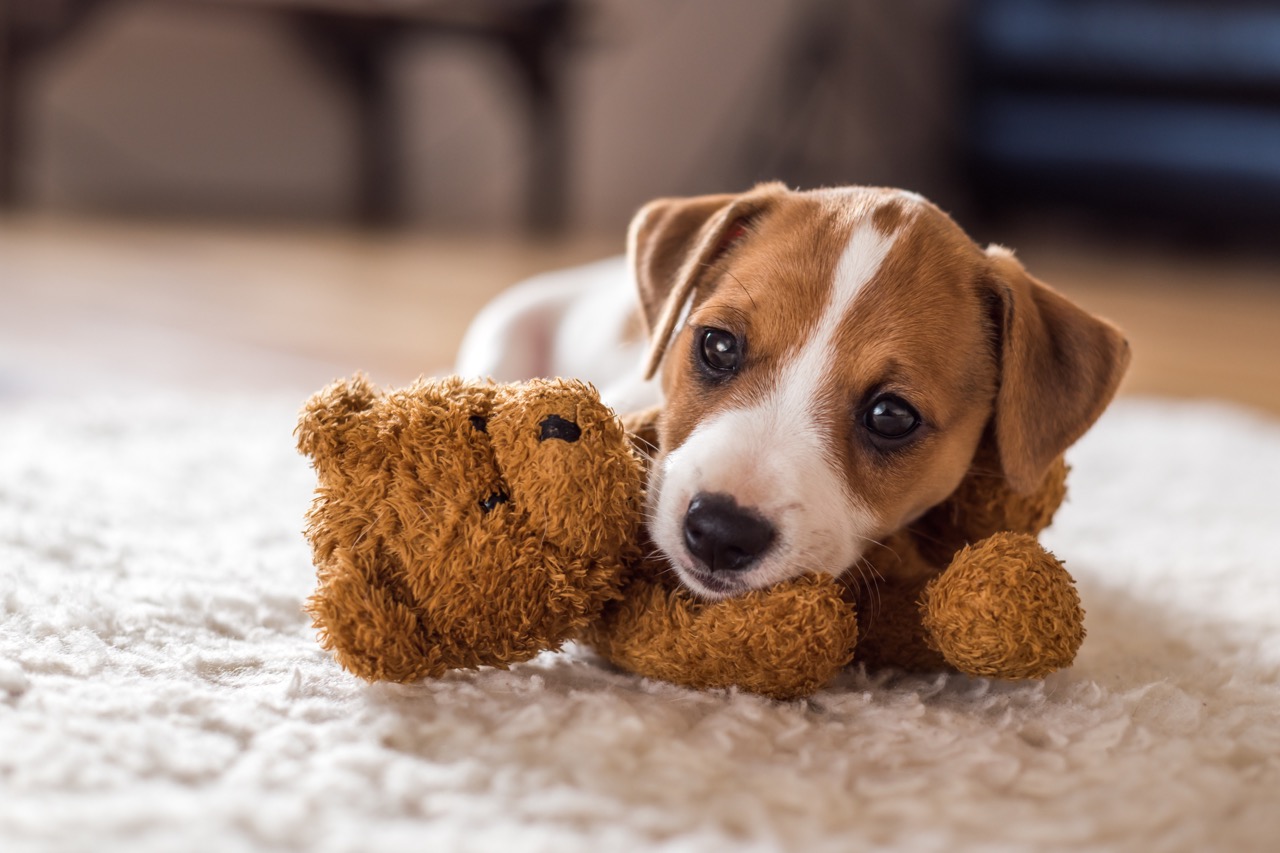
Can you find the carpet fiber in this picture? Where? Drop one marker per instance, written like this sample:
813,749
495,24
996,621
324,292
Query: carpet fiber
161,690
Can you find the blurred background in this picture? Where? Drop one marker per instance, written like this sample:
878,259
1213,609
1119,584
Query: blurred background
268,193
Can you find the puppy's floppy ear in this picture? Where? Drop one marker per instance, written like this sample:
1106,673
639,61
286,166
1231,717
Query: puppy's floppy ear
1059,368
670,243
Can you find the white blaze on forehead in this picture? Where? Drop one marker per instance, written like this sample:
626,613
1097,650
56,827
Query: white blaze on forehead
799,383
775,455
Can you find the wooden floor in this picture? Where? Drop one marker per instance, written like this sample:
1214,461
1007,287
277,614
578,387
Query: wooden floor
102,304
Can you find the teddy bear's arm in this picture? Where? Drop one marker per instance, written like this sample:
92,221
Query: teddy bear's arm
1004,608
784,642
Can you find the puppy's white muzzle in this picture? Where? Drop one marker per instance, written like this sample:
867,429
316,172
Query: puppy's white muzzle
776,472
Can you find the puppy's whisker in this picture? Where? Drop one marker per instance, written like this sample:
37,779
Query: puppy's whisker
867,575
880,544
920,534
872,541
636,439
743,286
669,570
726,271
870,567
648,455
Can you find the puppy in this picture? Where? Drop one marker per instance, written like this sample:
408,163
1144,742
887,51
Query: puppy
826,365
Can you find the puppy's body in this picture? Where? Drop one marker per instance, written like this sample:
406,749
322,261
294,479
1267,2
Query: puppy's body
827,365
582,322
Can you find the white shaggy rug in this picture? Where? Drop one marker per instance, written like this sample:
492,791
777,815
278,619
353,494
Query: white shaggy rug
161,690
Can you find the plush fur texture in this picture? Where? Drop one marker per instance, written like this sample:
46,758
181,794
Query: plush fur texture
450,530
784,642
1005,608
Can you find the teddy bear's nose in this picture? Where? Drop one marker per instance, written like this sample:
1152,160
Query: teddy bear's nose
723,535
554,426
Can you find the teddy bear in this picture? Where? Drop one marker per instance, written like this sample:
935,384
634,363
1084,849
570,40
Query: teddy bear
461,524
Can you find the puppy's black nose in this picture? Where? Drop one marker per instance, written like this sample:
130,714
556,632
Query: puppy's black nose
723,535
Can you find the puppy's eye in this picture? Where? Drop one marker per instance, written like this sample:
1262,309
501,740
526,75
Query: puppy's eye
891,417
719,350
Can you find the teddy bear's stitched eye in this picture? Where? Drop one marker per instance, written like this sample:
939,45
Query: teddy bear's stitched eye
490,503
480,423
554,426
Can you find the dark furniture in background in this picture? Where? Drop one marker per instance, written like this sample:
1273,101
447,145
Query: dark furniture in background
1165,112
350,39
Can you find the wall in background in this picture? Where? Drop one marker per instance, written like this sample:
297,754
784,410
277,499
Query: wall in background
151,108
164,109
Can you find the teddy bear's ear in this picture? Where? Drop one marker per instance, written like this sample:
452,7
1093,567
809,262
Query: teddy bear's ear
328,415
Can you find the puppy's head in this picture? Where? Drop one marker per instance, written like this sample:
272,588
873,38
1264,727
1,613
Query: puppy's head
830,361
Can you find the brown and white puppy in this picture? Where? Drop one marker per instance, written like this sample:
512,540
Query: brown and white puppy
827,363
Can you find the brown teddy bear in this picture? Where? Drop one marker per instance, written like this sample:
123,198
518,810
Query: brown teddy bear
462,524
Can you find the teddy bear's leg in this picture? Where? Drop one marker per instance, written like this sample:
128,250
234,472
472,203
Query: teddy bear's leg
370,630
1004,608
784,642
